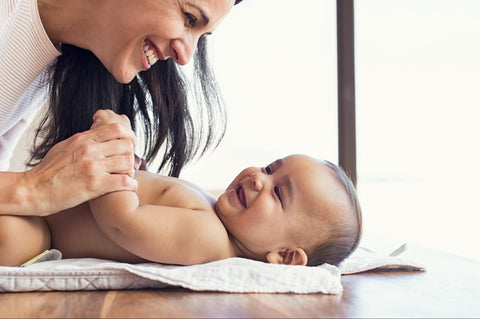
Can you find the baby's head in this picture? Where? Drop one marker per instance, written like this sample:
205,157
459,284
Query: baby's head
297,210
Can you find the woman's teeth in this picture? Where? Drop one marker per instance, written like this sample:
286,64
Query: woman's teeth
149,53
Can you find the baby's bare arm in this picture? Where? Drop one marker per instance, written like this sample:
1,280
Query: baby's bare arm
161,233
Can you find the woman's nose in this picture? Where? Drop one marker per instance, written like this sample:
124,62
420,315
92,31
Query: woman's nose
183,49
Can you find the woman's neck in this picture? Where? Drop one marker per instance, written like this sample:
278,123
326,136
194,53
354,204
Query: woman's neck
69,21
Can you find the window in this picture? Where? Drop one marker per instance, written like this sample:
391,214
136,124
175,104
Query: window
417,78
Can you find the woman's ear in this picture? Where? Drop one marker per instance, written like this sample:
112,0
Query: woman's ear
288,256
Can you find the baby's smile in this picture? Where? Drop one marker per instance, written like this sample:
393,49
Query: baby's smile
241,196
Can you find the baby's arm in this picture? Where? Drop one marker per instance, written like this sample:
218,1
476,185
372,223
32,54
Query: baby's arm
160,233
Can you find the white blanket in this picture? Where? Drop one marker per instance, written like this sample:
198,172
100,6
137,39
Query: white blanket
229,275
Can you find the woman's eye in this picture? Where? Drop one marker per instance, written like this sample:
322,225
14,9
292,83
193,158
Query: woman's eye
206,35
190,20
277,192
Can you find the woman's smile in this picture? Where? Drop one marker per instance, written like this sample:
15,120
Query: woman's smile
151,54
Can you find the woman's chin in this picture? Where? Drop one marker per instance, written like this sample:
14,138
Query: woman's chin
125,79
125,75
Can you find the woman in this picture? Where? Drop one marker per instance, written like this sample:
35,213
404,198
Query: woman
115,54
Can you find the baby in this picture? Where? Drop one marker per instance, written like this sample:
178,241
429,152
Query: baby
298,210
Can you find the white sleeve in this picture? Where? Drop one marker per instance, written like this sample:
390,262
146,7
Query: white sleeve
9,139
25,52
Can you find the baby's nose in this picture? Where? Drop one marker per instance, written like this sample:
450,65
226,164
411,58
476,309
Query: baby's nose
257,181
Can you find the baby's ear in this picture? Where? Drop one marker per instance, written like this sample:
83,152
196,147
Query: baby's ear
288,256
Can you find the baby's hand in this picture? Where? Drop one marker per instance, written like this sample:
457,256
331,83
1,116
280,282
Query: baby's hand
140,164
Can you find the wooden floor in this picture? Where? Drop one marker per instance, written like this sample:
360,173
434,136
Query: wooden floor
449,288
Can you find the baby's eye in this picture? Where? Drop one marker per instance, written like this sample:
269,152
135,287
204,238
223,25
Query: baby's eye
277,192
190,20
268,169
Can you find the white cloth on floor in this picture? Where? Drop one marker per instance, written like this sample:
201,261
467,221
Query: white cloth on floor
229,275
363,260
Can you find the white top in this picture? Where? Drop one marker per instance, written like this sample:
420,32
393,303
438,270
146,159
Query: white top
25,52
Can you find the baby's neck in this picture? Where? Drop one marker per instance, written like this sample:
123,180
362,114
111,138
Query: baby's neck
240,250
237,248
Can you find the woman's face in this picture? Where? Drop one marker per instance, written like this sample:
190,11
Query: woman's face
136,34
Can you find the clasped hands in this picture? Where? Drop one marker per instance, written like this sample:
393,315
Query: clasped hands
85,166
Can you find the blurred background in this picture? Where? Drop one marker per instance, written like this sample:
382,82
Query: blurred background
417,84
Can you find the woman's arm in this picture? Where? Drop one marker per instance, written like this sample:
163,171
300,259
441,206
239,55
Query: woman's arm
14,198
85,166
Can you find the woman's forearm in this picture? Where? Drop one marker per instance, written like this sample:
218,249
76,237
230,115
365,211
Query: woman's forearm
15,197
84,166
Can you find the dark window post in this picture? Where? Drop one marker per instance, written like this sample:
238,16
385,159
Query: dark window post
346,89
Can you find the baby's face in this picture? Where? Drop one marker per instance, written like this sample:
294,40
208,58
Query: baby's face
273,207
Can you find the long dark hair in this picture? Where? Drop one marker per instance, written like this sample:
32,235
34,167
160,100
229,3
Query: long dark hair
155,101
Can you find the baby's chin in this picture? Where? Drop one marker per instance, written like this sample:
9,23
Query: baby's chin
218,211
219,204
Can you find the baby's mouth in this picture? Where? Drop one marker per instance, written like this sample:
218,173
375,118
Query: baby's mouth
150,52
241,196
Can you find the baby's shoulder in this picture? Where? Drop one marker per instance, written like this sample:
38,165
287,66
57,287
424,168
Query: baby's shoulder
170,191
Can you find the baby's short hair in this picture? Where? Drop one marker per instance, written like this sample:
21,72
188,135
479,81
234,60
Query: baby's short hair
346,231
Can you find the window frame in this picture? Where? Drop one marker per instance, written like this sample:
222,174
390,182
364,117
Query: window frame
347,153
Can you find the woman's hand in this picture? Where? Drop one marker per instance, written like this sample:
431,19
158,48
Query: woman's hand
102,117
85,166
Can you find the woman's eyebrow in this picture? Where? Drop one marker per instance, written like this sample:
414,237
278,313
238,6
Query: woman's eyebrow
205,18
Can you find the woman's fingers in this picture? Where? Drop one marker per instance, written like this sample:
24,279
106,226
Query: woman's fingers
108,125
85,166
119,164
110,131
63,180
118,154
107,149
102,117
